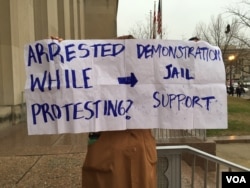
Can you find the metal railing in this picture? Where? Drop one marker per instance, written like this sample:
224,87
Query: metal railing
174,171
164,135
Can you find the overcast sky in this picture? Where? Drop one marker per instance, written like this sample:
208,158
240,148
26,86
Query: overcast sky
179,16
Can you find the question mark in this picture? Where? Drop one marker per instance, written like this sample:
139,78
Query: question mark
129,106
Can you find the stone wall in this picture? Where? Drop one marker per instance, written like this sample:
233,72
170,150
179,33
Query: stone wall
12,115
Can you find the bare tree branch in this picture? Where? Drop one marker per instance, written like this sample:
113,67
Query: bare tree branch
230,40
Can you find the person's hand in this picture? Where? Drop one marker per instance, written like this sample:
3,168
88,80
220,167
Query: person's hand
56,38
126,37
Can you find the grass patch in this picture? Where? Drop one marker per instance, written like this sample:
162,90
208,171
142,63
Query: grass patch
238,119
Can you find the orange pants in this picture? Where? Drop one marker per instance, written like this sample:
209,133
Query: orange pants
121,159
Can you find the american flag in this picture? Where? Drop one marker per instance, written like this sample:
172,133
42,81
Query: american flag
159,18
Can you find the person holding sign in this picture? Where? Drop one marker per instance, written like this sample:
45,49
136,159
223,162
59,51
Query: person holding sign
71,88
120,159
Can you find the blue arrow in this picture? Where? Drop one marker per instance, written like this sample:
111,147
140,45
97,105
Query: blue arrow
128,80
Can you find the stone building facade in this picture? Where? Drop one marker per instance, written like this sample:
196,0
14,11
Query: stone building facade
25,21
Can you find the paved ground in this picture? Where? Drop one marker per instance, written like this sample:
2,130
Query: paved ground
40,161
56,160
238,153
234,148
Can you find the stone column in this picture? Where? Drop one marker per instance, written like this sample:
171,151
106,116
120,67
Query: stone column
17,28
100,19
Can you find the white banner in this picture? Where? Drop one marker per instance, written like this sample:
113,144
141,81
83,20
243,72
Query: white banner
96,85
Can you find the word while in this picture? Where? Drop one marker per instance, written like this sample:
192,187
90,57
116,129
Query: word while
68,78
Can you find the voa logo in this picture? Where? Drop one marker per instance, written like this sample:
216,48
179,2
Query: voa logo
236,179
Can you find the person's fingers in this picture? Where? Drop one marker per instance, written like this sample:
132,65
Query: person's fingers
56,38
53,37
126,37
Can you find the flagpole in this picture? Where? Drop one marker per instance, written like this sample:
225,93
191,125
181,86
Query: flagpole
154,21
150,24
161,19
